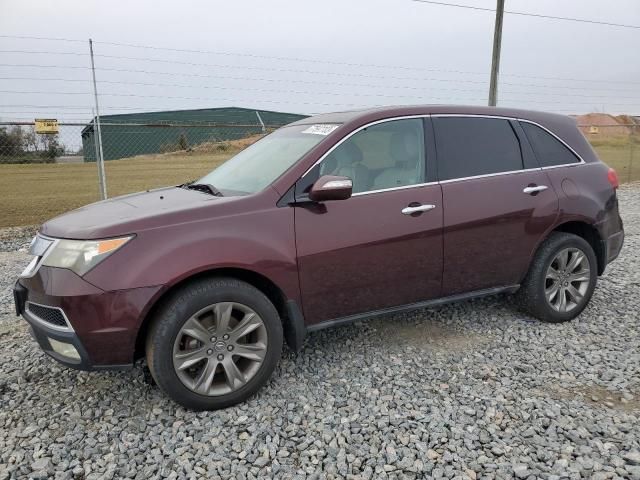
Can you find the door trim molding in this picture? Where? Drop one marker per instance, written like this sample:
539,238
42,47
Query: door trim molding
412,306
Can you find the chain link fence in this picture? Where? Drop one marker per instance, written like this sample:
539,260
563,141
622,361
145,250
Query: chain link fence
43,175
618,145
77,142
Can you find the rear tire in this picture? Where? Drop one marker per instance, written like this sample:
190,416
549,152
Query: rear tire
560,280
214,343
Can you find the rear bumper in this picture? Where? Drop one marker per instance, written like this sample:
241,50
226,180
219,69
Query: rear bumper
99,328
613,245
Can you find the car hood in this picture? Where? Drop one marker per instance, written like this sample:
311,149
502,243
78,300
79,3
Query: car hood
132,213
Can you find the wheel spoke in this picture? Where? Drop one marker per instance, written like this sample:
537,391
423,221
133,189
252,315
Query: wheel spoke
576,259
252,351
574,293
562,259
552,291
248,324
223,315
234,376
186,359
205,379
562,304
196,330
552,274
582,276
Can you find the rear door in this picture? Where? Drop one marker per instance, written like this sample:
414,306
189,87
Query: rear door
369,252
498,202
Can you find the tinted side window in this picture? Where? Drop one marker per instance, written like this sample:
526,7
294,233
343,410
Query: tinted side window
475,146
548,149
386,155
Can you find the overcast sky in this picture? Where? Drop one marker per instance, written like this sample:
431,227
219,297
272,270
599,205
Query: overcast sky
338,55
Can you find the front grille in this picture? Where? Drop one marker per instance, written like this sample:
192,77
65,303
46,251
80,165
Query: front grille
53,316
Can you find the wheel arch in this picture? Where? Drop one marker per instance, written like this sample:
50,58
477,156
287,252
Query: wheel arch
590,233
289,312
583,229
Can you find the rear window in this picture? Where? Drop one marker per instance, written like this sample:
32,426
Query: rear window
470,146
549,150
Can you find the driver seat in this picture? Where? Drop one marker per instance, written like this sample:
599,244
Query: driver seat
349,164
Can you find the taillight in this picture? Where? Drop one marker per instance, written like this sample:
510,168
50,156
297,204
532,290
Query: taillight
612,176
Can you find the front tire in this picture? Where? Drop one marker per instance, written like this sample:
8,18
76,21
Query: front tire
214,343
561,279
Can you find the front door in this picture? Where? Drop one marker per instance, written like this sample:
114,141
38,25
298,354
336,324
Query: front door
375,250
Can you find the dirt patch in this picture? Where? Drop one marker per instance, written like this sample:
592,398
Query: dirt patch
596,395
425,333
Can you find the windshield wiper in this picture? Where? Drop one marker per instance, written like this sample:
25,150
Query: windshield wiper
203,187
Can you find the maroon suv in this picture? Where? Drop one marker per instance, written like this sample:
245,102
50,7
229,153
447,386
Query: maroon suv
328,220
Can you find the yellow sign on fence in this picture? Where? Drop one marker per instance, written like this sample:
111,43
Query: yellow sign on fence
46,125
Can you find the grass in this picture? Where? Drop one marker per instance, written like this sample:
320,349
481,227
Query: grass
625,159
31,194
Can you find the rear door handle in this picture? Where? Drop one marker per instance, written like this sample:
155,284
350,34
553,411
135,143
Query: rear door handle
416,209
534,189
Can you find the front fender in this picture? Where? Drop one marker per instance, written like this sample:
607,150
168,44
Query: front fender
261,241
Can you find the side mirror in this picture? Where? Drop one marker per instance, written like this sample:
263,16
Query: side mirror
329,187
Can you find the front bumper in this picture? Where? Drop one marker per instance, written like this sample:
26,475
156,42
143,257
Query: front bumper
100,326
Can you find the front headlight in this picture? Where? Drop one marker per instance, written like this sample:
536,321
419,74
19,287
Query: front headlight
81,256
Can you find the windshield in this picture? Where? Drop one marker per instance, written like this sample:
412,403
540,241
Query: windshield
258,165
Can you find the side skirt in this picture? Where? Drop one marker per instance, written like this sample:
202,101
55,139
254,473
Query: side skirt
412,306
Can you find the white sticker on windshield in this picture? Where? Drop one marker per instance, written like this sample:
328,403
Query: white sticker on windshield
320,129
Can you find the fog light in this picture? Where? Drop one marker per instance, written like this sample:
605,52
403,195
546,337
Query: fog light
64,349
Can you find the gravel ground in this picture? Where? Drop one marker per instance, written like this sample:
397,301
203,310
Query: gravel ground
473,390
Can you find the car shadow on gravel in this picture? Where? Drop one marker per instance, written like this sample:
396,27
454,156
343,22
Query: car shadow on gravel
451,328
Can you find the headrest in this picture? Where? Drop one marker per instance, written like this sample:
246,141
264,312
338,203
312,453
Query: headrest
347,154
404,146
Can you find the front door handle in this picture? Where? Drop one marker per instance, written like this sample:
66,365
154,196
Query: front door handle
417,209
534,189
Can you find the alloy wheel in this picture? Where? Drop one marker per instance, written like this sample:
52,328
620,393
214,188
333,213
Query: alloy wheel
220,348
567,280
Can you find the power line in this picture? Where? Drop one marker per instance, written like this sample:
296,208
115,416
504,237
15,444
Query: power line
133,95
269,57
44,52
422,89
419,79
145,109
50,39
526,14
45,106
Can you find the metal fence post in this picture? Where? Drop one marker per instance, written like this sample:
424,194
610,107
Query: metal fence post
632,147
260,120
100,158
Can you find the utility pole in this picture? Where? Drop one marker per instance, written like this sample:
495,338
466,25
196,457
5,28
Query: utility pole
495,60
98,137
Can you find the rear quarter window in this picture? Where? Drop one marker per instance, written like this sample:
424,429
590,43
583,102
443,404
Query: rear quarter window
549,151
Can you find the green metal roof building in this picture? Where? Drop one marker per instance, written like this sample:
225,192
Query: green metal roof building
127,135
